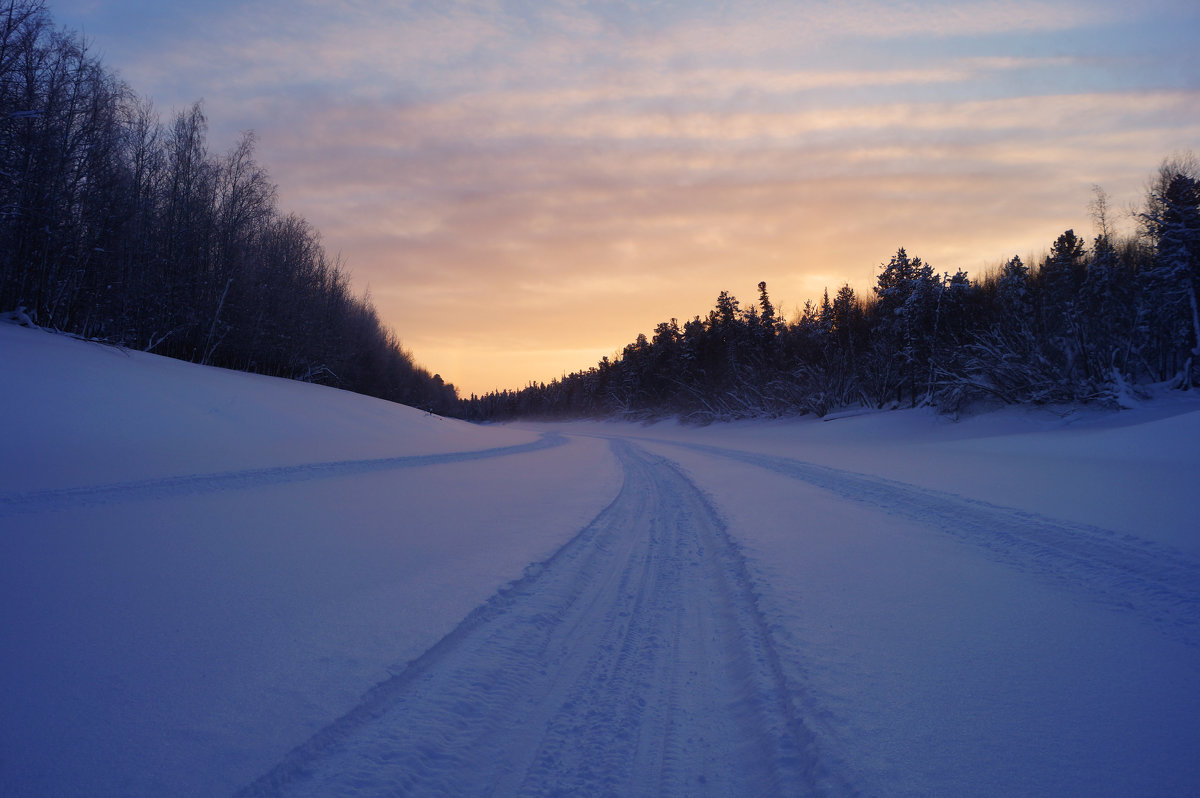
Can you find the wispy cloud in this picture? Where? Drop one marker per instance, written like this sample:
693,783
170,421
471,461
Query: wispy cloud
504,174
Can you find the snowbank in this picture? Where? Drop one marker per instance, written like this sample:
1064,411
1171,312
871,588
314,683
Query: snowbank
179,642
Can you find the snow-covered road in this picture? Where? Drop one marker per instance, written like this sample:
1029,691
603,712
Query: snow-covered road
637,660
215,584
632,662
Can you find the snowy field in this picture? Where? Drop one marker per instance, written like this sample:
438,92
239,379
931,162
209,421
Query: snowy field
214,583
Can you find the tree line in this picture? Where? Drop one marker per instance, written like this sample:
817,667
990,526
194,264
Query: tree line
1091,322
116,226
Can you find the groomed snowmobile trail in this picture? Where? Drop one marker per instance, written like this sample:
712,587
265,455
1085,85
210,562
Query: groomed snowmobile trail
623,665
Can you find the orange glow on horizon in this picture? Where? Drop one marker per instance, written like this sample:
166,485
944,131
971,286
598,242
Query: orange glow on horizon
526,187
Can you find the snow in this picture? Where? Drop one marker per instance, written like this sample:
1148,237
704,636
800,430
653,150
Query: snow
181,642
1127,471
216,583
939,670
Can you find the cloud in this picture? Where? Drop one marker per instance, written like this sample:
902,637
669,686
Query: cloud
522,177
767,31
518,189
375,50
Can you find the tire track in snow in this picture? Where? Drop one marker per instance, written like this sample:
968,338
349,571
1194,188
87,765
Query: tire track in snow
1160,584
632,662
193,484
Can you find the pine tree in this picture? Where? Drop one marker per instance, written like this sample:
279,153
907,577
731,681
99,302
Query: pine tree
1172,218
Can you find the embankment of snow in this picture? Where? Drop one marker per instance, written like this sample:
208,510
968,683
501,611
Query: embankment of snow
179,628
79,413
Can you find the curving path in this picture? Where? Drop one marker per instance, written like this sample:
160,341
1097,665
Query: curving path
625,664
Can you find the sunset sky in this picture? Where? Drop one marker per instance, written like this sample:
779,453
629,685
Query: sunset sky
525,186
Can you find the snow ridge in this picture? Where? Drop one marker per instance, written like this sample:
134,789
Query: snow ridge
1158,583
632,661
193,484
